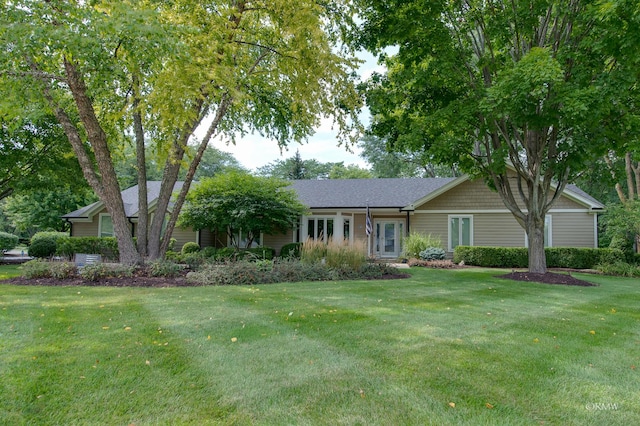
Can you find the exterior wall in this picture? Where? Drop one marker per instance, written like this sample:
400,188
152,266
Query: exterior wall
476,195
500,229
276,242
84,229
182,236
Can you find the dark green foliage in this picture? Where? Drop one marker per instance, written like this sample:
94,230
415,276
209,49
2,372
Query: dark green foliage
516,257
7,241
190,247
107,247
291,250
42,248
622,269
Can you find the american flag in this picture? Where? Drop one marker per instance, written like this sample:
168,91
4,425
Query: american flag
368,226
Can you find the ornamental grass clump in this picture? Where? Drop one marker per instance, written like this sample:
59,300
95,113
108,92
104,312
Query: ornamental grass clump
335,253
416,242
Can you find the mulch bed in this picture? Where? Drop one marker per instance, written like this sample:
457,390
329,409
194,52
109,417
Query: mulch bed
138,280
548,278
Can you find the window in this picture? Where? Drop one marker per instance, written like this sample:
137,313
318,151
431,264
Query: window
547,233
105,226
320,228
346,231
460,231
241,238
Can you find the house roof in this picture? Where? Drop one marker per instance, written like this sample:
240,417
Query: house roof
396,193
358,193
129,198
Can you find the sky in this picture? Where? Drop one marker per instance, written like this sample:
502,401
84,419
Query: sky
253,151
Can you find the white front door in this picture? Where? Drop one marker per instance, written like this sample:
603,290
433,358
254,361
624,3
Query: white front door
388,237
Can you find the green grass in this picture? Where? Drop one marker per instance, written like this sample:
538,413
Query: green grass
358,352
9,271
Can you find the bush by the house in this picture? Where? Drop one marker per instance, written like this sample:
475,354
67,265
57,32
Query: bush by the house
435,264
291,250
62,270
8,241
622,269
432,253
517,257
416,242
43,248
190,247
107,247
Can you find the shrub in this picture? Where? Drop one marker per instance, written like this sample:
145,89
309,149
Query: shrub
287,270
622,269
107,247
62,270
416,242
47,235
164,268
36,268
432,253
190,247
43,248
436,264
517,257
291,250
98,271
8,241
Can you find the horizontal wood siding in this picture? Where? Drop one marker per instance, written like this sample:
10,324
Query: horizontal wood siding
573,230
85,229
477,196
502,230
277,241
434,224
182,236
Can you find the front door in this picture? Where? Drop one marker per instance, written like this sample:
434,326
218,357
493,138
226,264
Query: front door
388,237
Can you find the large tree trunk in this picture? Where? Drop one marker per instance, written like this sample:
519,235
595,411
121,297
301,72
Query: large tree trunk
141,162
535,240
108,188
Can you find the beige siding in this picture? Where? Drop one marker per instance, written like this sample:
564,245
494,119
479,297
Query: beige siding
84,229
276,242
501,229
182,236
573,230
476,195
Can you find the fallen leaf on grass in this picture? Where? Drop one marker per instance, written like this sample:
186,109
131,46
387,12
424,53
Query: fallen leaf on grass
452,404
592,332
488,405
234,339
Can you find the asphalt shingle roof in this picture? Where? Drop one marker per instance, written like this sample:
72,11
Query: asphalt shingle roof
357,193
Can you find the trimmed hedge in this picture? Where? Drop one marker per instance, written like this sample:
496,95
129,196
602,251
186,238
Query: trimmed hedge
518,257
107,247
44,244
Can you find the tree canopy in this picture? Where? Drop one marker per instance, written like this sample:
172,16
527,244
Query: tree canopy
160,71
524,94
237,202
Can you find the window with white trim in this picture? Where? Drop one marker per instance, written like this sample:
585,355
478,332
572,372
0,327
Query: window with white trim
320,228
105,225
241,238
460,231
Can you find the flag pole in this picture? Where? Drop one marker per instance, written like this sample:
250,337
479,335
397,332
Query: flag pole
368,229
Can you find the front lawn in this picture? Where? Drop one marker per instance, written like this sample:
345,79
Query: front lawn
442,347
9,271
